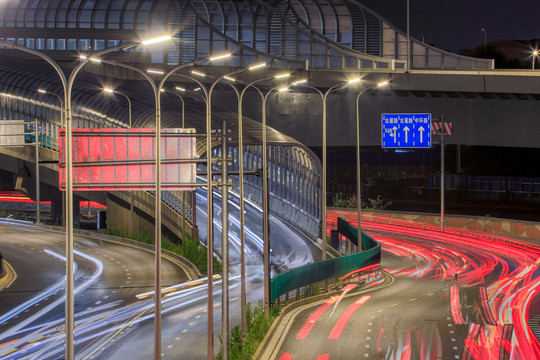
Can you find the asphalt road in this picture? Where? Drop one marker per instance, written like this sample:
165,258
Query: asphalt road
446,286
107,278
112,321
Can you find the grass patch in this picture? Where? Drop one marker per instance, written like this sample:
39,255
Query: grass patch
258,325
188,248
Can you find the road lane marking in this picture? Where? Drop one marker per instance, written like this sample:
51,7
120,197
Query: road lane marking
314,317
286,356
336,332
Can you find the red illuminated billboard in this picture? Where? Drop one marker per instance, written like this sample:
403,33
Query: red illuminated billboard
124,159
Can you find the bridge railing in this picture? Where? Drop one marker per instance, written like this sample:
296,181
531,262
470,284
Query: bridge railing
328,269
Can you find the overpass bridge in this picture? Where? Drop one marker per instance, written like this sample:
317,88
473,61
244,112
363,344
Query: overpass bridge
328,43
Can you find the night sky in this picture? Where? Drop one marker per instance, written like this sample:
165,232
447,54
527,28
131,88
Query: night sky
456,24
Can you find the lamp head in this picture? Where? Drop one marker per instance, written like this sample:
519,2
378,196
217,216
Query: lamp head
156,40
282,76
219,57
256,66
299,82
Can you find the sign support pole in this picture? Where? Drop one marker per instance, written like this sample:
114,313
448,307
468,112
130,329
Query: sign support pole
38,205
225,241
442,173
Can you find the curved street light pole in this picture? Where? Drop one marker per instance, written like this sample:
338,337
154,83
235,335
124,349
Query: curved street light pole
61,104
224,230
62,119
243,300
129,106
181,100
358,165
324,96
67,85
265,194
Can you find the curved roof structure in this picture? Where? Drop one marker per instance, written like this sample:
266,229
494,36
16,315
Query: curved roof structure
318,34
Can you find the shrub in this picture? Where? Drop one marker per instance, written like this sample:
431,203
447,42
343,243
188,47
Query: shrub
258,325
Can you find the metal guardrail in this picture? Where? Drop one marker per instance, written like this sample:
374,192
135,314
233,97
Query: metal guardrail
176,204
332,268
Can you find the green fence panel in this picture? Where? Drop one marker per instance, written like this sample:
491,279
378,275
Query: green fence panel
322,270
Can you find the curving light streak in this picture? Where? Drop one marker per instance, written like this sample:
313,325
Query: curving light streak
250,234
42,295
20,327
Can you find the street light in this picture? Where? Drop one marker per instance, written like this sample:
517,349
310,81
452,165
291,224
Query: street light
38,191
42,91
69,170
324,96
67,84
225,314
181,100
534,55
157,215
131,206
240,97
111,91
266,238
358,165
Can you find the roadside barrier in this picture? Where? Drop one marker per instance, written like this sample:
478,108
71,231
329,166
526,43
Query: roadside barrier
329,269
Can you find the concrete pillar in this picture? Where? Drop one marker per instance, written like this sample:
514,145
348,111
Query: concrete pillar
76,209
56,212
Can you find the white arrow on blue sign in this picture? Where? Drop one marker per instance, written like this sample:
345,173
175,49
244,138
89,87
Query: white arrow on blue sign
406,130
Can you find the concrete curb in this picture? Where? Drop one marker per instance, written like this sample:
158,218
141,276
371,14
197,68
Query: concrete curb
279,329
190,269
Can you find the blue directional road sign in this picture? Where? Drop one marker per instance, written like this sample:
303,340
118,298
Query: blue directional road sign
406,130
